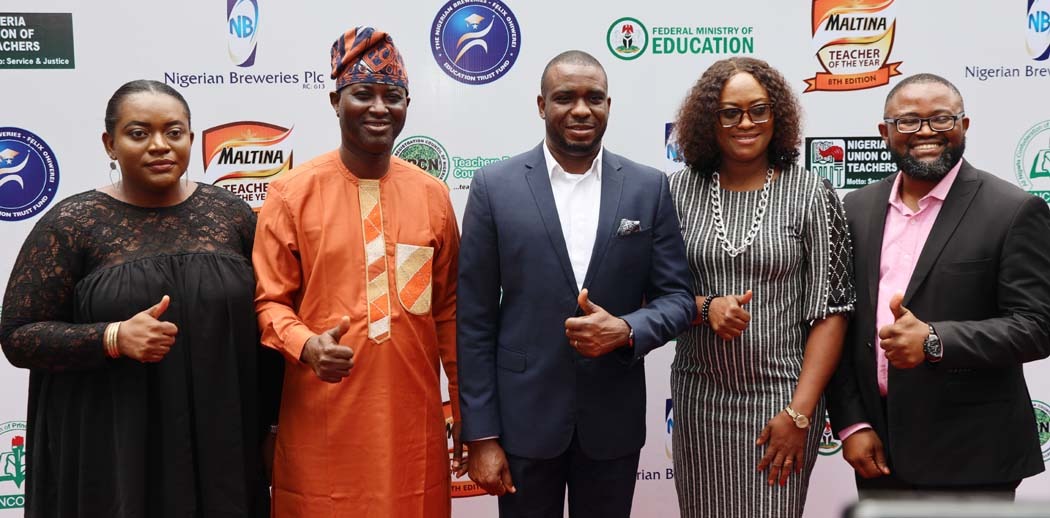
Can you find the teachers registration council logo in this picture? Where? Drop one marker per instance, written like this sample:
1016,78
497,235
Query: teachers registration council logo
426,154
475,41
28,174
1032,160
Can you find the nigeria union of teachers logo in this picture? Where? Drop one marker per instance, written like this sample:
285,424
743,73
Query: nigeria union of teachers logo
475,42
28,174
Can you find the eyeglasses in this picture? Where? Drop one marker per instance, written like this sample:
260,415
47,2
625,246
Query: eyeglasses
937,123
759,113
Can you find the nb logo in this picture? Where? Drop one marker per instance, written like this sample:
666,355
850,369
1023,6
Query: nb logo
242,27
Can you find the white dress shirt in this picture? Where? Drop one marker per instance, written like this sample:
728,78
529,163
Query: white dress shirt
578,199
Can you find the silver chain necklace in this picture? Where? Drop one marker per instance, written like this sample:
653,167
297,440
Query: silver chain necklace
756,221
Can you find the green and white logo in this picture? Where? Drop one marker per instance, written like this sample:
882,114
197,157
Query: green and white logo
627,38
1032,160
1042,426
828,445
426,153
12,464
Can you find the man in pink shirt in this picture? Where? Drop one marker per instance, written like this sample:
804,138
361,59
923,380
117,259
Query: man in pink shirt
952,273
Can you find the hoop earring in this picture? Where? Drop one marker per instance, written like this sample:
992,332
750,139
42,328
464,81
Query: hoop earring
112,169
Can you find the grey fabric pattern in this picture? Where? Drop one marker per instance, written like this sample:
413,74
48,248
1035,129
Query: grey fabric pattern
800,270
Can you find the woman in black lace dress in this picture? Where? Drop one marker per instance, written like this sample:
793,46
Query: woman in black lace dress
132,307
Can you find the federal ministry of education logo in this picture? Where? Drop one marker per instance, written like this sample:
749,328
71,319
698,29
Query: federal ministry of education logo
627,38
828,445
475,42
1042,425
1037,38
1032,160
242,21
28,174
12,464
425,153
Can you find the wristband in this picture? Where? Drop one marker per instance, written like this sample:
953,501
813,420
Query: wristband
705,309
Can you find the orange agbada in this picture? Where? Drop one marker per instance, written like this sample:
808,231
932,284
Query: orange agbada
375,443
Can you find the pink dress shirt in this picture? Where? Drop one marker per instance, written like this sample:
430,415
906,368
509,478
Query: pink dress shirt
903,237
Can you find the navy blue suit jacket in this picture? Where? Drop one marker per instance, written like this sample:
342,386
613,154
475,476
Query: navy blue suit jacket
519,378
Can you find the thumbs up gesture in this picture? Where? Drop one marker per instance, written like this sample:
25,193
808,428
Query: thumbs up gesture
330,360
903,339
596,332
144,337
727,316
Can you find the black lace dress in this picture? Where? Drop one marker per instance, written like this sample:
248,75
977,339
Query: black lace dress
119,438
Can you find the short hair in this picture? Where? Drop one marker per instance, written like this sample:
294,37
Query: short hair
569,57
922,78
139,86
696,122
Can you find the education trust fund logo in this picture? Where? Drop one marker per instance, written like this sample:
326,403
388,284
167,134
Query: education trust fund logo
853,39
243,157
462,487
1042,425
242,18
28,174
475,41
425,153
1032,160
1037,38
627,38
12,464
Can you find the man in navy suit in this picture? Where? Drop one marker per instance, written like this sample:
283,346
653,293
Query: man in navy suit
572,268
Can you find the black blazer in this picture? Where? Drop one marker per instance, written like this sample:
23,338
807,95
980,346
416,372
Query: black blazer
519,378
983,281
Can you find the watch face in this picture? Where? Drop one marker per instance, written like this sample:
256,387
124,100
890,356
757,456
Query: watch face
802,421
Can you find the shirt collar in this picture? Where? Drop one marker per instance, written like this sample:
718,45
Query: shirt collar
939,191
552,164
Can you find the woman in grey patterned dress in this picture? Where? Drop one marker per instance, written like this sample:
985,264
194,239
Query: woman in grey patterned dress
770,256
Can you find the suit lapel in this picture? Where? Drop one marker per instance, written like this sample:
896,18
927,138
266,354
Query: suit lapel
539,181
612,187
876,229
955,205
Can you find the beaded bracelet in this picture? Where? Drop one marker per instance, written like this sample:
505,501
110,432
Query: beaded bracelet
705,309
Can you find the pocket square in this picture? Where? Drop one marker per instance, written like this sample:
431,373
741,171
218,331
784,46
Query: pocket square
628,227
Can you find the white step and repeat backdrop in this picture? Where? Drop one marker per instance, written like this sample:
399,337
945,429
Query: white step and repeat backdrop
255,73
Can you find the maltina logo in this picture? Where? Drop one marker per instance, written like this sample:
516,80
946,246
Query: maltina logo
244,156
242,19
462,487
853,39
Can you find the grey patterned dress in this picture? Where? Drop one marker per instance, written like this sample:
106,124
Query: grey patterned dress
799,268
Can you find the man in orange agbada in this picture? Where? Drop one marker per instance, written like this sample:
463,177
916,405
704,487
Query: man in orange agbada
356,258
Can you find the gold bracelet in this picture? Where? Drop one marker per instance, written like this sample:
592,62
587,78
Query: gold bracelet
109,340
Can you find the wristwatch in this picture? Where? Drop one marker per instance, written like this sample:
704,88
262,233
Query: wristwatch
932,346
800,420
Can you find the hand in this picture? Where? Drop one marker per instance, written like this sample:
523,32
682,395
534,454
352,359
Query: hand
144,337
863,450
785,448
727,316
489,469
903,339
330,360
596,332
459,461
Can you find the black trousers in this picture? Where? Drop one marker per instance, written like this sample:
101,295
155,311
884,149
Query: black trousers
597,488
892,487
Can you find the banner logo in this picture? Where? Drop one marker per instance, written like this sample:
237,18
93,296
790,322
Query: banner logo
1037,38
36,40
242,19
245,156
28,174
426,154
849,162
475,42
1032,160
853,39
828,445
627,38
12,464
1042,425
